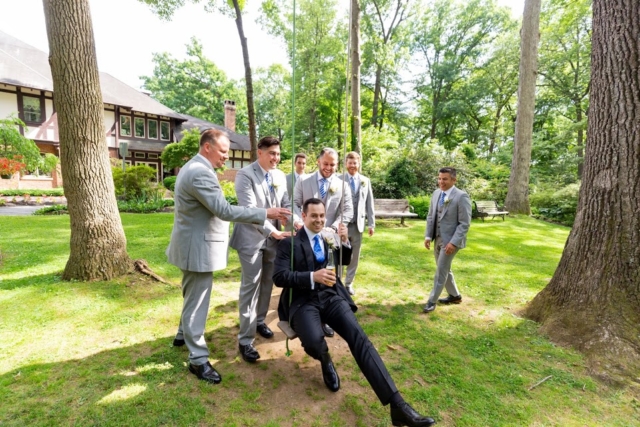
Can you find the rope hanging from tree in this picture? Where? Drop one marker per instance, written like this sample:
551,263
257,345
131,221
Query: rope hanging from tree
285,326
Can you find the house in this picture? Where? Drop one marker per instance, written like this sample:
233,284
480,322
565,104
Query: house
26,90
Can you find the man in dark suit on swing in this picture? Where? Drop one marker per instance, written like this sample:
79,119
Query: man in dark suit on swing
318,296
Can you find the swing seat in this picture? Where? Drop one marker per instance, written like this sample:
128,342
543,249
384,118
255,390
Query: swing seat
287,330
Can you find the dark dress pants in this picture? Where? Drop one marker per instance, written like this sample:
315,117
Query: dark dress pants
325,306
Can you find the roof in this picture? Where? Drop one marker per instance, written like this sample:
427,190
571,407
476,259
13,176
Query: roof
24,65
238,141
156,147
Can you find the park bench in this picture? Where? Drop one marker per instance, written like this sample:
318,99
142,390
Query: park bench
485,208
393,208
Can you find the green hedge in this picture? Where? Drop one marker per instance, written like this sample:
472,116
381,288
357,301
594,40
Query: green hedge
558,206
56,192
170,182
420,205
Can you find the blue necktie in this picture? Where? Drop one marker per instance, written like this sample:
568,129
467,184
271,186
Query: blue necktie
323,189
441,202
268,178
317,249
353,185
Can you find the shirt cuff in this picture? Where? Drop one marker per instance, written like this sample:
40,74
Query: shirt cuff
313,284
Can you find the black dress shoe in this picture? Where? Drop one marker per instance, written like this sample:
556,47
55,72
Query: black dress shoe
249,353
177,342
451,300
264,330
429,307
328,332
405,415
329,374
206,373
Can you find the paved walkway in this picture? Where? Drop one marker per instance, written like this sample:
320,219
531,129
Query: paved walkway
18,210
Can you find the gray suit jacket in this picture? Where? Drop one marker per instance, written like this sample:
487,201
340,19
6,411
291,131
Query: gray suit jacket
253,191
200,227
363,203
307,187
454,219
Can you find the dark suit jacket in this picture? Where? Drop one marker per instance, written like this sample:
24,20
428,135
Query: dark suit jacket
298,281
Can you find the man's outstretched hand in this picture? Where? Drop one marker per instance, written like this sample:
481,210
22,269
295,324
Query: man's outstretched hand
278,213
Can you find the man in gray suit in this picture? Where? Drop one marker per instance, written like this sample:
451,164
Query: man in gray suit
362,199
300,163
259,185
447,224
199,239
328,187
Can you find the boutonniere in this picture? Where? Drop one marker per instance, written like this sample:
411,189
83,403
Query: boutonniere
277,184
447,200
333,188
363,183
330,237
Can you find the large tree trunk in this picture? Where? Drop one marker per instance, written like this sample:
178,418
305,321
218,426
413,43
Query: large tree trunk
593,300
356,143
517,200
251,113
98,244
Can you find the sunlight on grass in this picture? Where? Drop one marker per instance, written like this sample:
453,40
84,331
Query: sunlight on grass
100,353
124,393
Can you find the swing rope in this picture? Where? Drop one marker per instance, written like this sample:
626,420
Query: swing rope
293,145
293,153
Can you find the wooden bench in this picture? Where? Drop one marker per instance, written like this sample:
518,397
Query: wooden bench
393,208
485,208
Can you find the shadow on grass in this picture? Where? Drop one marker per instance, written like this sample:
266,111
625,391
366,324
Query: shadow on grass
464,371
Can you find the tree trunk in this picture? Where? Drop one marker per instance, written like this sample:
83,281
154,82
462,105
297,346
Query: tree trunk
98,248
580,140
517,200
593,300
356,143
251,113
376,96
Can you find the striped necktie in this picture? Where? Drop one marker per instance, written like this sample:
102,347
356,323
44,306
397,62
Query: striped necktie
441,202
323,187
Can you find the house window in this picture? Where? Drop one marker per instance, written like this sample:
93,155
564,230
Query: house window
125,126
139,127
139,155
152,156
164,131
238,159
32,107
153,129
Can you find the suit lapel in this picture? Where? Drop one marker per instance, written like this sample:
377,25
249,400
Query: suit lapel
307,249
257,170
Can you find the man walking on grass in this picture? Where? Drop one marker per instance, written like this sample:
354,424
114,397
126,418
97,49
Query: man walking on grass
447,226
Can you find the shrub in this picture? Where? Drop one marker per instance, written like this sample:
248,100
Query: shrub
558,206
229,190
134,182
144,204
420,205
56,192
52,210
170,182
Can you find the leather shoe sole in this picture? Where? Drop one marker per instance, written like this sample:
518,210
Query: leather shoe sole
451,300
249,353
178,342
328,331
264,331
206,373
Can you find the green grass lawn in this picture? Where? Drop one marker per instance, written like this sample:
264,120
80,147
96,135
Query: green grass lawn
82,354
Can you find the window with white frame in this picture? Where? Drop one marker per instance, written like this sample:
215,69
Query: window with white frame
165,131
152,129
32,107
125,125
139,127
